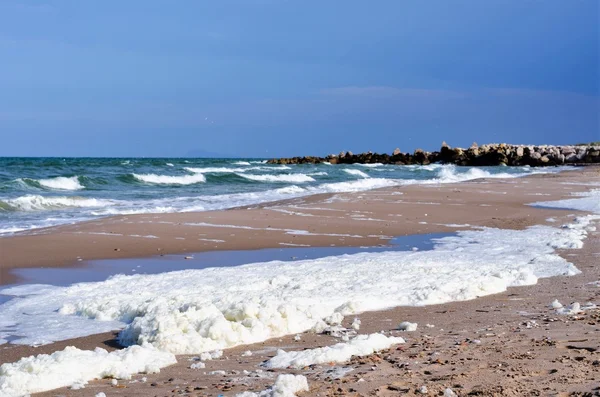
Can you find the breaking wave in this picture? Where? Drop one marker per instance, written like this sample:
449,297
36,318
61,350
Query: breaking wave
58,183
293,178
356,173
170,180
450,173
371,165
221,170
33,202
355,186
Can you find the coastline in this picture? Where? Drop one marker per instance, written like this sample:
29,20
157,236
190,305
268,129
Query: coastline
292,221
423,209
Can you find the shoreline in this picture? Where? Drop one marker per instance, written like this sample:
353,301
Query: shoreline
419,214
148,235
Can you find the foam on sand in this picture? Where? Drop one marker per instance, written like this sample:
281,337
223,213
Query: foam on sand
285,386
195,311
586,201
293,178
170,180
192,311
74,367
361,345
355,172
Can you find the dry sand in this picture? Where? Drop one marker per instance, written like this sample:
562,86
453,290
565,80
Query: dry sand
509,344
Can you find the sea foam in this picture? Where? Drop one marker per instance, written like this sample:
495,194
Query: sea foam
356,172
58,183
359,346
293,178
195,311
75,367
170,180
200,310
33,202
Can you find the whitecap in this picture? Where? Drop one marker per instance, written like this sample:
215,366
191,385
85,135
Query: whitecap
33,202
356,173
62,183
293,178
170,180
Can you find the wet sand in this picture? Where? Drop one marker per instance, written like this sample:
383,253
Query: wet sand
505,344
344,219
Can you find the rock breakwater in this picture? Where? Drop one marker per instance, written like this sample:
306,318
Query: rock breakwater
484,155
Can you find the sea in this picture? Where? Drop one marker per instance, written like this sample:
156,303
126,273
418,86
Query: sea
42,192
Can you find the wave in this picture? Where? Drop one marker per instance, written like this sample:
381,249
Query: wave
451,174
241,163
170,180
355,186
293,178
356,173
33,202
170,165
58,183
371,165
221,170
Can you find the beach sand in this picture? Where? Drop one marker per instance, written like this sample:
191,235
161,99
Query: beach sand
505,344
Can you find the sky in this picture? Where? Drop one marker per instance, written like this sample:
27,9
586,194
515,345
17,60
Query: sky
266,78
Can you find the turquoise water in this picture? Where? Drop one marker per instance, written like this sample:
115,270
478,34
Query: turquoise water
40,192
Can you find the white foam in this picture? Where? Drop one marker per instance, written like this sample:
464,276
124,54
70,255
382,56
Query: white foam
407,326
170,180
293,178
587,201
221,170
356,172
370,165
361,345
201,310
452,174
355,186
74,367
62,183
285,386
33,202
194,311
241,163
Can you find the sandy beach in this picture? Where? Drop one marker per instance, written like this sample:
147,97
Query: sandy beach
508,344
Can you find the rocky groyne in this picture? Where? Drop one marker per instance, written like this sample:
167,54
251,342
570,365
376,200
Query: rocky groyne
484,155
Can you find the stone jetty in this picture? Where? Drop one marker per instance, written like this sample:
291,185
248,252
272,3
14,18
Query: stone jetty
476,155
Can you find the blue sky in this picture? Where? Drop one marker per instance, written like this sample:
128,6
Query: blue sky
277,78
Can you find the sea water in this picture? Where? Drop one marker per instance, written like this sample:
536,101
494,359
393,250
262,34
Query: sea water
41,192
